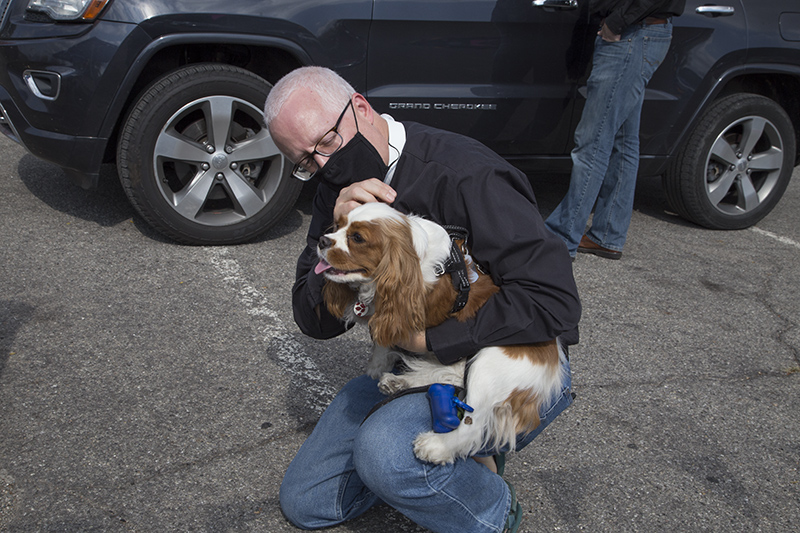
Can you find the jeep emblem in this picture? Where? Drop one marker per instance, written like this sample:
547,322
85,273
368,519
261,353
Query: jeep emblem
219,161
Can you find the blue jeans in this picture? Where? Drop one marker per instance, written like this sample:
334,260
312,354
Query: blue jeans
344,467
605,159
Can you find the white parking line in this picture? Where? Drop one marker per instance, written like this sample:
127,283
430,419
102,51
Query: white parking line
290,353
779,238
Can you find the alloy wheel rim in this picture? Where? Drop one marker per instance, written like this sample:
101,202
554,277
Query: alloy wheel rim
214,162
743,166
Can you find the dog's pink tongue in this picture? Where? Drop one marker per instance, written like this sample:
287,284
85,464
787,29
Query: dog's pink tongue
321,267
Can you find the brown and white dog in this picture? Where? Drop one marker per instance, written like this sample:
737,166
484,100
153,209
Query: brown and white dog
384,268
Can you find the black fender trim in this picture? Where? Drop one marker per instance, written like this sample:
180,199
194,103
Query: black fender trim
115,111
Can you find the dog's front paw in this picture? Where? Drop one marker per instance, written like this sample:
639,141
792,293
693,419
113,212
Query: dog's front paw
391,383
431,447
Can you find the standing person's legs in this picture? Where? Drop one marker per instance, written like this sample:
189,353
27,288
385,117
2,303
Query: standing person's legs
594,140
614,207
620,70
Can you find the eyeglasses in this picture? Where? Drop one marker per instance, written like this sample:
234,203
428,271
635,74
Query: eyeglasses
305,169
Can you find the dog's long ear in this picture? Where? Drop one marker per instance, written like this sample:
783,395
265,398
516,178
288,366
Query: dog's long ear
399,289
338,298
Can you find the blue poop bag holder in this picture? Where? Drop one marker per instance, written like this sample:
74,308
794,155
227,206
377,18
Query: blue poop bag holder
445,407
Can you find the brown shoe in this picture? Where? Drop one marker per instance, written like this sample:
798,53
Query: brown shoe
587,246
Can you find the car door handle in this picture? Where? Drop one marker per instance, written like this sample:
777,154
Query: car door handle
556,5
715,11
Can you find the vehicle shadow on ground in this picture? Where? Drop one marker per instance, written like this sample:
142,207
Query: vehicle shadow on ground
108,206
13,315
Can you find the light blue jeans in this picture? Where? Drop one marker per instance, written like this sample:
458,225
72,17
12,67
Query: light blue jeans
605,159
344,467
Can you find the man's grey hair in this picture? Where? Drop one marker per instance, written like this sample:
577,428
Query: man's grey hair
333,90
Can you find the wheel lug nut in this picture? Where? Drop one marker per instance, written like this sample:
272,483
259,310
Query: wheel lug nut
205,166
220,176
229,149
234,165
210,149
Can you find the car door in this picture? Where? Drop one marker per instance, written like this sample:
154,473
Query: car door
502,71
709,43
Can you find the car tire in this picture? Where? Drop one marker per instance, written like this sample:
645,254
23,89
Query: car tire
735,165
197,162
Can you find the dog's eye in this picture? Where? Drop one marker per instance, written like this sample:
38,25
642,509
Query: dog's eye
357,238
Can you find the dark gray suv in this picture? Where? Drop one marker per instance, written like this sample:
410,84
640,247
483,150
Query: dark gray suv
172,92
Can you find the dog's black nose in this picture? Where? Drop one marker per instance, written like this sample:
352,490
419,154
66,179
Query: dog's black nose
325,242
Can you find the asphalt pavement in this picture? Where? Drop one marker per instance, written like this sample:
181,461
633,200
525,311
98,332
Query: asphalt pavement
152,387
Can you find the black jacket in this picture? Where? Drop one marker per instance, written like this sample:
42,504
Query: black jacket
451,179
619,14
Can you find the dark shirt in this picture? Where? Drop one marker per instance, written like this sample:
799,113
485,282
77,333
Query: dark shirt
619,14
451,179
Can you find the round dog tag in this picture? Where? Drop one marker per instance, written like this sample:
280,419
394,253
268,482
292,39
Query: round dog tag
360,309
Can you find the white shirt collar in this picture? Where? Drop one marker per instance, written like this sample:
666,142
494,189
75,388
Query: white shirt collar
397,140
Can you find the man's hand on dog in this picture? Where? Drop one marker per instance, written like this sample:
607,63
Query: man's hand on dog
362,192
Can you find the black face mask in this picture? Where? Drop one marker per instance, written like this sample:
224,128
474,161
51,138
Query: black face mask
356,161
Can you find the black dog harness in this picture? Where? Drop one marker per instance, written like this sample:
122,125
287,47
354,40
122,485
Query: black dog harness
456,266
